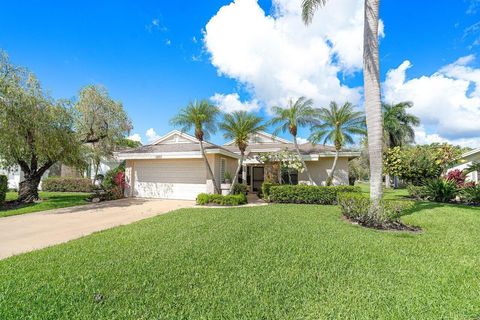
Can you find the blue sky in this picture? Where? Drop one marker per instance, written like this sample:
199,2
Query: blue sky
156,56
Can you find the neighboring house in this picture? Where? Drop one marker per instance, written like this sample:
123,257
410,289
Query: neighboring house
468,158
173,168
14,175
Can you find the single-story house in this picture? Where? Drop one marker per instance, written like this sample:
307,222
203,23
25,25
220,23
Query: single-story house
173,168
467,159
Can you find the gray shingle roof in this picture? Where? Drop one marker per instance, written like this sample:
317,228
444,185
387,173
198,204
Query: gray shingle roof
177,147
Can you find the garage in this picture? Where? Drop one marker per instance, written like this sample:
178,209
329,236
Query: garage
181,179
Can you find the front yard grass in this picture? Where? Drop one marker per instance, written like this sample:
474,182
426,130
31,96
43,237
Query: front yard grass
270,262
49,200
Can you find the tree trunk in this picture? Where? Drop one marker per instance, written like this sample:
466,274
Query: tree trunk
28,189
334,167
395,182
371,74
387,181
209,169
301,159
235,178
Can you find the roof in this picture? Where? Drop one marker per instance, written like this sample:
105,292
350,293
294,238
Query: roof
173,145
473,154
176,144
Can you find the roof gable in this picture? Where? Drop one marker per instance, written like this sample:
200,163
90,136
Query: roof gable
262,137
174,137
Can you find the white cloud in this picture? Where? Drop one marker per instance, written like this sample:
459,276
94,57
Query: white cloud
276,57
135,137
447,102
301,140
231,102
422,137
152,135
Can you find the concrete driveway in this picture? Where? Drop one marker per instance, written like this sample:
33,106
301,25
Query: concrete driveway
28,232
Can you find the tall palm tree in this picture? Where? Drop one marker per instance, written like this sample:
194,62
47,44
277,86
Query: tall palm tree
398,124
201,116
398,127
239,126
298,114
338,125
371,78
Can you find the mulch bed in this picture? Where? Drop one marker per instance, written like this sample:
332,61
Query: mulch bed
390,226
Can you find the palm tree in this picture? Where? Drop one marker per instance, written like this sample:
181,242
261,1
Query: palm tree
201,116
398,126
298,114
371,78
239,126
338,125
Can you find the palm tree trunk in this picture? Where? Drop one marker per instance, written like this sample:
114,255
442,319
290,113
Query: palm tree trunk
371,74
209,169
303,161
235,178
387,181
334,167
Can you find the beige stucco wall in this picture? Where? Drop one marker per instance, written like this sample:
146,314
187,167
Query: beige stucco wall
320,169
214,160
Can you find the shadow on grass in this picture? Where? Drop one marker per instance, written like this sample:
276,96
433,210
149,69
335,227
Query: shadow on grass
427,205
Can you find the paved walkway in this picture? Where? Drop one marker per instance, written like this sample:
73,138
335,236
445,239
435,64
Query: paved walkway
28,232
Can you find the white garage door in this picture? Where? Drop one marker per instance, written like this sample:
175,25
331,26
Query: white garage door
169,179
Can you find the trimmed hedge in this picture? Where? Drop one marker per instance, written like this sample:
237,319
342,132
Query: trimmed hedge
61,184
308,194
417,192
356,207
3,188
239,188
218,199
266,186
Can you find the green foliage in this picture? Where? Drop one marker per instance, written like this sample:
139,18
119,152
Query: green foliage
475,166
420,163
227,176
471,194
240,188
35,130
266,187
398,124
62,184
108,182
218,199
441,190
3,188
239,126
308,194
357,207
338,125
297,114
417,192
201,116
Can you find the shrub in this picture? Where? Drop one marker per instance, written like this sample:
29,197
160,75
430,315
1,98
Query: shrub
356,207
109,181
3,188
218,199
471,195
64,184
417,192
308,194
456,176
266,187
441,190
240,188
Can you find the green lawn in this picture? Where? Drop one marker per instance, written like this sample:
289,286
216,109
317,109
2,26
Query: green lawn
275,262
50,200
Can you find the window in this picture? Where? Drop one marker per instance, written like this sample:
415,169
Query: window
223,166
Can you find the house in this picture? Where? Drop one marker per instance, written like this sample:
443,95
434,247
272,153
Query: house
173,168
14,175
467,159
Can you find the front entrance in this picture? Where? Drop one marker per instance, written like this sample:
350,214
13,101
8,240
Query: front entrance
258,174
